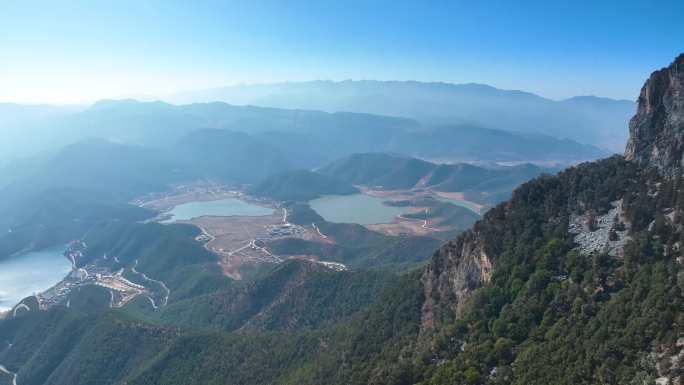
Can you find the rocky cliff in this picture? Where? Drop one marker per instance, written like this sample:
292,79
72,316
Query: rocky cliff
458,268
656,139
656,132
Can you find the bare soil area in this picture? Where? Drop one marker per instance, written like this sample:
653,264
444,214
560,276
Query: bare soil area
240,240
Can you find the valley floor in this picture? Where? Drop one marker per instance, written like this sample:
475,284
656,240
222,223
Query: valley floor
242,242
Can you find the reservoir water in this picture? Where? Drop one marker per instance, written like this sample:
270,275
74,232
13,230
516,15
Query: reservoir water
356,208
30,273
219,208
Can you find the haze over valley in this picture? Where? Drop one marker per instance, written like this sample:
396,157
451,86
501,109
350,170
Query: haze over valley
252,218
589,120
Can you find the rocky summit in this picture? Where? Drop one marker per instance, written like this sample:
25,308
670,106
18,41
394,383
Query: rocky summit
657,129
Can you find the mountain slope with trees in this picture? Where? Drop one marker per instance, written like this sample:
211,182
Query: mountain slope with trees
577,279
487,185
298,133
300,185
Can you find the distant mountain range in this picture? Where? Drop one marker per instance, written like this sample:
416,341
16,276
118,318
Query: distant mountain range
479,184
306,138
89,181
301,185
576,279
467,142
394,172
26,128
586,119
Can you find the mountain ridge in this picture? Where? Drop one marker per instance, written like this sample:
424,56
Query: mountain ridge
657,129
399,172
577,279
434,103
445,85
483,258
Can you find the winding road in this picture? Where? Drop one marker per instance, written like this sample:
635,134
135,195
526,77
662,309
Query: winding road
14,375
20,306
425,221
319,231
167,291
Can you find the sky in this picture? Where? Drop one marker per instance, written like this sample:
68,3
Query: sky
68,52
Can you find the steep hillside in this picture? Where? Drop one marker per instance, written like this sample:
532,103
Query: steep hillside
577,279
447,214
72,346
158,124
301,185
551,276
303,135
296,295
479,184
355,245
167,253
485,185
60,196
657,130
69,345
26,129
583,268
45,218
468,142
234,157
374,169
112,171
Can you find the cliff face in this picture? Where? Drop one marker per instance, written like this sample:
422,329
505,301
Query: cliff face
458,268
656,132
463,265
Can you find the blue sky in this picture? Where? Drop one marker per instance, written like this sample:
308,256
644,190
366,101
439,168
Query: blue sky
67,52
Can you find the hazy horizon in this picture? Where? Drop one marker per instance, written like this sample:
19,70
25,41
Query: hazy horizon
71,53
333,192
170,98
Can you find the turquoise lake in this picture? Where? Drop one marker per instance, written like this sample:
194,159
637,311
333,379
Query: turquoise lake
219,208
356,208
30,273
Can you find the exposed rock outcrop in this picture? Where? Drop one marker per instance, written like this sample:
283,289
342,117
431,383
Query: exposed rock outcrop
458,268
656,132
607,232
656,139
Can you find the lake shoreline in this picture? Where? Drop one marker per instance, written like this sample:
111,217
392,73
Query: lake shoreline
31,273
362,209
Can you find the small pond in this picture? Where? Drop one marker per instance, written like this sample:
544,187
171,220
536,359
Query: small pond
356,208
219,208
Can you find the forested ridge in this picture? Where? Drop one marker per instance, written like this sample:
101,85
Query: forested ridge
552,315
548,314
577,279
